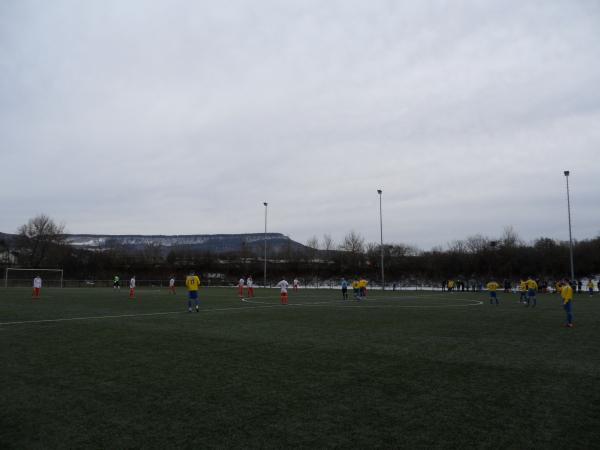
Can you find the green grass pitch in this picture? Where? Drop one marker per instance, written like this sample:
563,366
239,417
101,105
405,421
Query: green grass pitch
89,368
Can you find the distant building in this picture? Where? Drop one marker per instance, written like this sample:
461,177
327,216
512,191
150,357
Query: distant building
8,258
217,276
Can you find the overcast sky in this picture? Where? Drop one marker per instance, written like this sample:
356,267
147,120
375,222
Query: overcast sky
182,117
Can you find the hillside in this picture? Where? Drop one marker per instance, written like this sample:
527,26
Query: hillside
217,243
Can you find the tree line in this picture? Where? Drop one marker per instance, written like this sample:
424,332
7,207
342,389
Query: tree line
41,243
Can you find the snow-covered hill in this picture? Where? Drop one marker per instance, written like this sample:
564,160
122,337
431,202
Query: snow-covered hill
208,242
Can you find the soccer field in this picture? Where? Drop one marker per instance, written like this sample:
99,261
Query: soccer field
89,368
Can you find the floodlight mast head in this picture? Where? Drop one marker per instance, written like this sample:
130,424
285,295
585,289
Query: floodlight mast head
566,172
379,191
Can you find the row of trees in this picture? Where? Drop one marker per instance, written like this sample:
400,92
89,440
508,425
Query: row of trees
41,243
476,256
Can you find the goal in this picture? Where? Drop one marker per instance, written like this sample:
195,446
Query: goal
24,277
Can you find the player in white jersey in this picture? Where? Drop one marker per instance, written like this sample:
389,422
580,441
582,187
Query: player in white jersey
296,284
37,286
250,285
283,295
241,287
172,285
132,287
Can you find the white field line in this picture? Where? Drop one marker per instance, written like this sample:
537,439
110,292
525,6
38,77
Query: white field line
338,304
88,318
360,304
132,315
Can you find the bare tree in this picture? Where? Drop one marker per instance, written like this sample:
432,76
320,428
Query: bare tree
38,237
313,243
457,246
353,243
327,243
401,250
510,238
477,243
373,247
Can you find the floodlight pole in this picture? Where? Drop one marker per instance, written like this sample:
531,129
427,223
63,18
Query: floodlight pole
566,172
379,191
265,273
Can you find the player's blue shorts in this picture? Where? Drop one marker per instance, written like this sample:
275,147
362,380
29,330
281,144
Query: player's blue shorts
531,292
492,294
568,306
193,295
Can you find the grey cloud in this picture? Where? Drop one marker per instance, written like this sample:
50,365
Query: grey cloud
182,117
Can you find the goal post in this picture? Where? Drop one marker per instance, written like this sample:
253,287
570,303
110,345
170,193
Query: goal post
12,274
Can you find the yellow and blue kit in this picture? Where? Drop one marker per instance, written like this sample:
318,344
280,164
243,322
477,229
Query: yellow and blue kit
492,286
450,285
522,291
532,288
192,282
567,295
362,284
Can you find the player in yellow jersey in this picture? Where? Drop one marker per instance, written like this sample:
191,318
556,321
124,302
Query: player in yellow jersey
362,284
192,283
566,293
532,288
590,286
450,285
356,289
522,291
492,287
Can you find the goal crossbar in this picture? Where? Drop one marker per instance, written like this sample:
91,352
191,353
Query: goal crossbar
14,269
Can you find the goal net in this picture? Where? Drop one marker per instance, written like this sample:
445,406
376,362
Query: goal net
24,277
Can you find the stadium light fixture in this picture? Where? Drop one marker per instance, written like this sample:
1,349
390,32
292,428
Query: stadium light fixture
265,272
379,191
567,173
